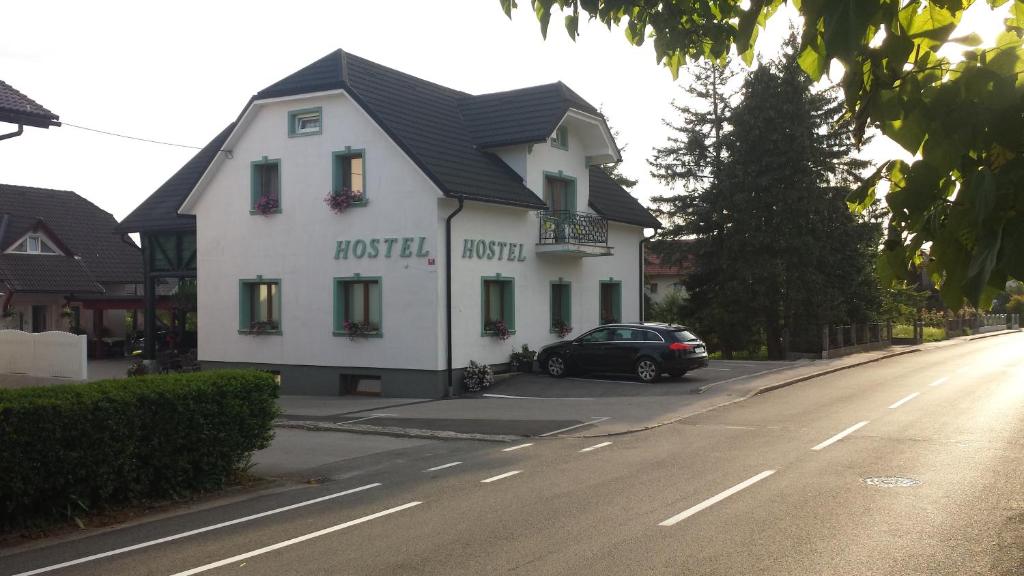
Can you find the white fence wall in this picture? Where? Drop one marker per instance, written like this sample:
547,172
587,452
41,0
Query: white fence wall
44,355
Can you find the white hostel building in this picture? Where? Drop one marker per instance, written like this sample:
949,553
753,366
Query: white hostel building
359,229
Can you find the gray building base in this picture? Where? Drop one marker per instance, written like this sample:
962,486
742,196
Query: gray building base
341,380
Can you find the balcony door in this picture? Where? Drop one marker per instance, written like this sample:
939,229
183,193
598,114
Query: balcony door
559,194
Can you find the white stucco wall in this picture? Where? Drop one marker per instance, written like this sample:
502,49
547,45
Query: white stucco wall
532,280
666,285
297,246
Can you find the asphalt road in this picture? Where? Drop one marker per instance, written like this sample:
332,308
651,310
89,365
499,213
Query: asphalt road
776,484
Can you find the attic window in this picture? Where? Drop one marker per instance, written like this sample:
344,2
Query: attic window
561,138
305,122
34,244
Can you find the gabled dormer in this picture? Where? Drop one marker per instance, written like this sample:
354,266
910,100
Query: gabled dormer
38,240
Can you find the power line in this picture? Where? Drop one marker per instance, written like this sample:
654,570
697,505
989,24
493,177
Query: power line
130,137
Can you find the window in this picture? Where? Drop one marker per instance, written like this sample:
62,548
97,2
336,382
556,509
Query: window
266,187
561,138
357,306
306,122
259,309
561,305
498,303
350,174
611,301
599,335
654,288
34,244
560,192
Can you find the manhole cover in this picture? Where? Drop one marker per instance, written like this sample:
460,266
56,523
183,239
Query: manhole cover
891,482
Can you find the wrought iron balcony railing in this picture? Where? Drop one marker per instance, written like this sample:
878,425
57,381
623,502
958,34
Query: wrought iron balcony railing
570,227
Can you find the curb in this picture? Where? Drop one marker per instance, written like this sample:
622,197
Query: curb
806,377
394,431
992,334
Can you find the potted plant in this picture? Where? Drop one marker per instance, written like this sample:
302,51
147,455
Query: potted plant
267,205
340,200
358,329
561,328
499,329
522,361
477,377
261,327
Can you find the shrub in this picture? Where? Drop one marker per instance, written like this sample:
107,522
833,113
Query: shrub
1015,305
522,361
477,377
113,442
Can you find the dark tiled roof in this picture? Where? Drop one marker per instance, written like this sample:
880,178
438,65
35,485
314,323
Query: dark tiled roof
614,202
56,274
422,118
442,130
17,108
521,116
159,212
77,225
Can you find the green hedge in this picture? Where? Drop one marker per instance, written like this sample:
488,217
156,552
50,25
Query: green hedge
78,447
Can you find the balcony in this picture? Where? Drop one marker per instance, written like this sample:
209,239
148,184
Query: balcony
570,233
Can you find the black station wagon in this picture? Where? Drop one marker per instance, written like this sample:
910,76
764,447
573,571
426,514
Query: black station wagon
645,350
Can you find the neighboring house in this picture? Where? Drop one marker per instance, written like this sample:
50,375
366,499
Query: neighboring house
16,108
540,237
62,266
666,275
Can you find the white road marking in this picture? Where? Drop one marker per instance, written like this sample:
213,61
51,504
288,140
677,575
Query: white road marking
940,381
297,540
367,418
602,380
705,387
566,429
442,466
716,499
194,532
596,446
511,448
841,435
722,369
899,403
500,476
506,396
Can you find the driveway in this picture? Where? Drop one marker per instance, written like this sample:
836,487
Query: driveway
538,385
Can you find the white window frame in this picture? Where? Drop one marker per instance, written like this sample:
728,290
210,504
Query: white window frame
41,239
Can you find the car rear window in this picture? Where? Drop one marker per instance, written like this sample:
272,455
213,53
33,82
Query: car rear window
684,336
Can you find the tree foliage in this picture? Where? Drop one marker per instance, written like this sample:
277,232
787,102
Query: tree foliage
965,193
777,252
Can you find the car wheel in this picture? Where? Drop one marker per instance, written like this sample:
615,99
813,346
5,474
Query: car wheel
555,366
647,370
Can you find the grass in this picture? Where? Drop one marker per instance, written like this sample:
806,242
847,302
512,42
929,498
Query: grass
907,331
761,354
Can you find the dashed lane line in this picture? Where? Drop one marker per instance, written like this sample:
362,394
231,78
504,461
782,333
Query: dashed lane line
841,435
940,381
903,401
442,466
500,476
297,540
595,447
580,425
517,447
716,499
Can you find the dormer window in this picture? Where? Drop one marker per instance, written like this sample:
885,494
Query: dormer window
561,138
34,244
305,122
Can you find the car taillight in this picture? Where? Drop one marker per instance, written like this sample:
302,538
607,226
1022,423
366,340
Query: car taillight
680,346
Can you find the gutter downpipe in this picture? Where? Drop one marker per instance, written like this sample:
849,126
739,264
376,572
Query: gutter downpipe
18,132
448,290
641,284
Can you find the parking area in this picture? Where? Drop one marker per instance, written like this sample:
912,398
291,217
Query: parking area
539,385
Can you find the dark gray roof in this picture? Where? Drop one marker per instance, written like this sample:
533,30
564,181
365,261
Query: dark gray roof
423,118
442,130
522,116
96,253
17,108
159,212
614,202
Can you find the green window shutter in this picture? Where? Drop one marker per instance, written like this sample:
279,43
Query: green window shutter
617,302
567,303
339,305
244,305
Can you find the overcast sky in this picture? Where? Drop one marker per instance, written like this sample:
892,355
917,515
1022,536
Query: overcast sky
180,71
